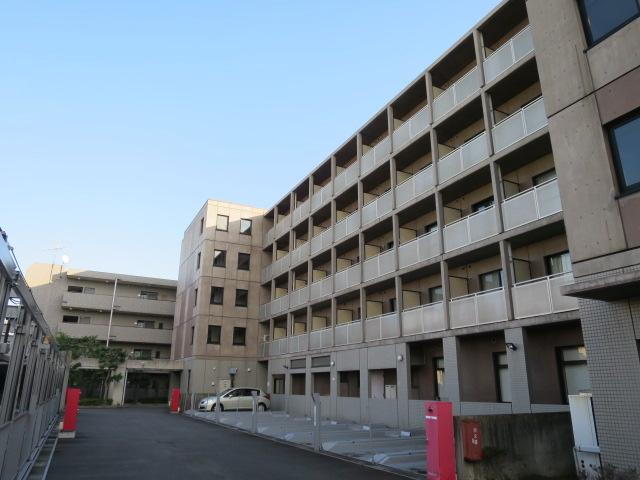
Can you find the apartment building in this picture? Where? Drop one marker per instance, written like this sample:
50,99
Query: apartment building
218,299
135,313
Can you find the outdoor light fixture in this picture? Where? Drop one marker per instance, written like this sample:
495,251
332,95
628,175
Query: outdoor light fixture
333,363
248,369
511,346
400,358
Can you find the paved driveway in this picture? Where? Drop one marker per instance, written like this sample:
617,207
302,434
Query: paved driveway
149,443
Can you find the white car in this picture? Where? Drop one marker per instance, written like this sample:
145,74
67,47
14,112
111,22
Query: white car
236,399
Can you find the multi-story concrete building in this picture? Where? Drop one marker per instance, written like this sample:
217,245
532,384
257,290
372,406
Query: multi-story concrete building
438,251
80,303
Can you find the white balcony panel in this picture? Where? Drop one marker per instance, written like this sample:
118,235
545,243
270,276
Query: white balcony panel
299,297
321,241
301,211
321,197
268,237
265,274
280,305
462,89
478,308
532,204
518,125
379,265
283,226
321,338
348,333
347,177
542,296
265,311
410,129
375,210
349,277
347,226
508,54
462,158
470,229
281,265
298,343
279,347
320,288
415,186
263,349
376,155
423,319
299,254
381,327
420,249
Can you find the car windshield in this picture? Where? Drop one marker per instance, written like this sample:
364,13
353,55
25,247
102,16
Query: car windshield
226,391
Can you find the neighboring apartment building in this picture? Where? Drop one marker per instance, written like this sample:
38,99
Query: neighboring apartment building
217,302
79,303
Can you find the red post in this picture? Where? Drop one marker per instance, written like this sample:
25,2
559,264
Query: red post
441,448
175,400
70,420
471,440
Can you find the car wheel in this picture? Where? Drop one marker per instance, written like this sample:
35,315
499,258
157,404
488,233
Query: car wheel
262,407
213,408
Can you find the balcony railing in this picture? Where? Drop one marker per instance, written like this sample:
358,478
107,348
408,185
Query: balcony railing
299,297
268,237
462,158
423,319
279,305
520,124
320,288
376,155
265,310
263,349
470,229
410,129
135,305
299,254
520,45
415,186
347,226
321,241
321,338
321,197
298,343
283,226
381,327
379,265
349,277
301,211
531,205
462,89
478,308
281,265
419,249
347,177
542,296
376,209
118,333
279,346
348,333
265,274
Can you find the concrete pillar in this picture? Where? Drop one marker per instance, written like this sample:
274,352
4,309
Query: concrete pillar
478,44
487,115
517,359
496,186
395,223
399,300
364,386
403,376
507,274
451,351
435,154
440,219
390,127
392,183
429,83
446,291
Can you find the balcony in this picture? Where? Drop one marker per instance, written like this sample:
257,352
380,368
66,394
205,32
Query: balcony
118,333
279,346
349,333
265,311
419,249
470,229
299,297
283,226
457,93
321,338
321,197
462,158
298,343
410,129
268,237
321,241
136,305
376,155
423,319
379,265
279,305
518,125
320,288
347,226
508,54
301,211
378,208
347,177
542,296
531,205
415,186
280,266
382,327
349,277
478,308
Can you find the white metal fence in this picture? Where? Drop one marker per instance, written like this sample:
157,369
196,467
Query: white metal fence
376,155
531,205
524,122
516,48
541,296
378,208
349,277
379,265
478,308
470,229
419,249
410,129
415,186
462,158
462,89
321,338
348,333
347,226
423,319
347,177
381,327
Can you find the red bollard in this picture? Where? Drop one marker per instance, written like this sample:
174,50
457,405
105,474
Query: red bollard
70,420
441,447
175,400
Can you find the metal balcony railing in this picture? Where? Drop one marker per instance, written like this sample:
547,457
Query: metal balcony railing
376,155
520,45
415,186
541,296
419,249
300,253
281,265
265,310
462,158
348,333
321,338
347,177
299,297
322,240
298,343
283,226
279,346
462,89
279,305
268,237
531,205
423,319
470,229
479,308
321,197
379,265
301,211
377,208
347,226
524,122
321,288
349,277
410,129
382,327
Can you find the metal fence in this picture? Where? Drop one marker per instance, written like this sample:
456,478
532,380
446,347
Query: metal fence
33,372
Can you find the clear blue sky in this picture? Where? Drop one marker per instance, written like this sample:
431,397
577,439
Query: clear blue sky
118,119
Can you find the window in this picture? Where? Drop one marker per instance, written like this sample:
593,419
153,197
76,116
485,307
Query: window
193,334
324,361
89,290
84,320
601,18
160,325
625,145
432,227
544,177
201,226
157,353
573,366
490,280
145,324
435,294
74,289
438,367
195,297
220,258
222,223
239,335
198,260
244,261
69,319
558,263
148,295
503,378
213,334
278,384
349,383
142,354
217,293
245,226
392,304
242,297
298,363
482,205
